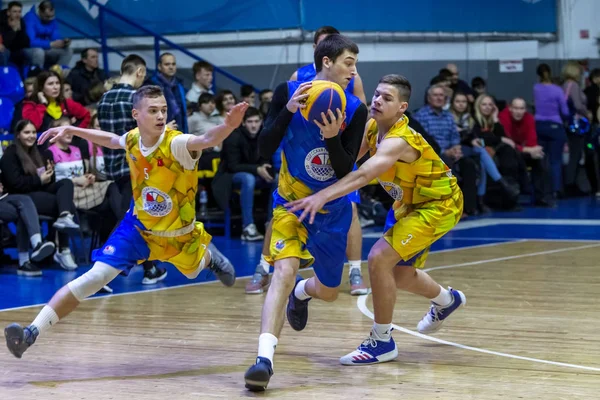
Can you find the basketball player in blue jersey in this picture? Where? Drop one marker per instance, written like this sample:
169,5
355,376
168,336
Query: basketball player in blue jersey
313,157
354,249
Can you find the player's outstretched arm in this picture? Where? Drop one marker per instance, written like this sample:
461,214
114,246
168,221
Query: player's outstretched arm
389,151
216,135
101,138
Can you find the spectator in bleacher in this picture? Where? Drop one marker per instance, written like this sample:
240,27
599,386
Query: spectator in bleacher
519,125
30,85
114,115
203,79
550,110
32,173
440,125
224,100
265,96
173,90
472,146
457,84
205,118
577,102
47,45
13,34
67,90
479,86
19,209
242,168
85,76
48,104
592,93
248,95
90,193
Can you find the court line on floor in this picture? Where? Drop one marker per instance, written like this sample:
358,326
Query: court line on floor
476,246
361,303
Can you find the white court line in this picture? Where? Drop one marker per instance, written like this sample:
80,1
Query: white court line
242,277
362,306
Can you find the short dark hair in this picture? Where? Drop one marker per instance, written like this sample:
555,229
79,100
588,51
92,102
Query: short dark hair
14,4
84,52
263,92
252,112
46,5
200,65
436,80
477,82
246,90
401,84
324,30
163,55
131,63
445,73
595,73
332,47
146,92
205,98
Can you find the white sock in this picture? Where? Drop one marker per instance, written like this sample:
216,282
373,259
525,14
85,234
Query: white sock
354,265
45,319
382,331
299,291
266,346
444,298
263,263
23,258
35,240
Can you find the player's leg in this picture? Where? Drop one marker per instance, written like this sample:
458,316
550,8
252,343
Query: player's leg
354,255
64,301
260,280
282,282
379,346
121,252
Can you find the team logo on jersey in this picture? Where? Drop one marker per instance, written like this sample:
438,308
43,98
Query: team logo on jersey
156,202
109,250
317,164
160,162
279,245
393,190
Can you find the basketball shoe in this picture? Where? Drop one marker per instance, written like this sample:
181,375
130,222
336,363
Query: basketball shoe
433,320
371,351
297,310
257,377
19,339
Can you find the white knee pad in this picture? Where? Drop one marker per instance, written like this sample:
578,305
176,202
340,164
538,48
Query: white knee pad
93,280
196,272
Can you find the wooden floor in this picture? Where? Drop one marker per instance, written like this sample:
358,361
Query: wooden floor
528,299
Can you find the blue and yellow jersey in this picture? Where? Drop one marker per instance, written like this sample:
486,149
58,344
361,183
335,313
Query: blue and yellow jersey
308,73
423,180
305,164
164,192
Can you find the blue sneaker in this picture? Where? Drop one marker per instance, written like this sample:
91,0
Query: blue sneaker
257,377
19,339
297,310
371,351
433,320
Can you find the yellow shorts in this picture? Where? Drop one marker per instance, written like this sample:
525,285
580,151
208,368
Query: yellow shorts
288,238
185,252
411,231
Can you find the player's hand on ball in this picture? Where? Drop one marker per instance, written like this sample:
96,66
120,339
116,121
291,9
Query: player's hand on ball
331,124
310,205
53,134
236,115
297,100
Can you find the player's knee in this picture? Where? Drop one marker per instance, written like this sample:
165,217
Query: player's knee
376,256
92,281
285,274
326,293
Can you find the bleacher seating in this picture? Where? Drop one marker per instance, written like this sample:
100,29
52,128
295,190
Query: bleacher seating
11,85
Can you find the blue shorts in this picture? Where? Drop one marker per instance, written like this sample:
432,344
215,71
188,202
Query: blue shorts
125,248
323,242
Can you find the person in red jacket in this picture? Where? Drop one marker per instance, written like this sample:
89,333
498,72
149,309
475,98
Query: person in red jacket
48,104
519,125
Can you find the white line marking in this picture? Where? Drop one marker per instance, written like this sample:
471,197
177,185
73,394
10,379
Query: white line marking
361,302
241,277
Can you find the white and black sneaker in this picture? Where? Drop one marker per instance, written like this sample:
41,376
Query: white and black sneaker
66,224
29,269
42,250
65,260
154,275
251,234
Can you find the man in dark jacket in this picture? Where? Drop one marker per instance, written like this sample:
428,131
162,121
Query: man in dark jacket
13,33
85,77
242,168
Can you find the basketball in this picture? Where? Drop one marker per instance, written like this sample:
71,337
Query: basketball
323,96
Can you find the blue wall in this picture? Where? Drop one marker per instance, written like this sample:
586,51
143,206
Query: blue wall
192,16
